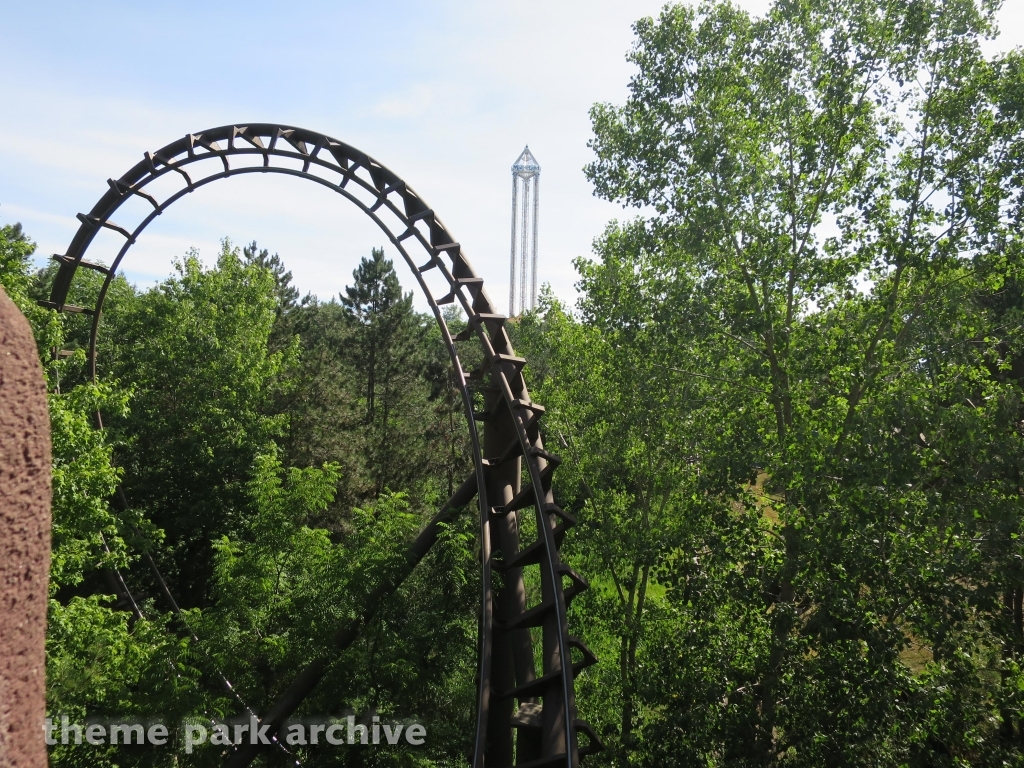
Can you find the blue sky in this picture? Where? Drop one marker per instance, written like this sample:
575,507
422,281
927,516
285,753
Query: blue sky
446,94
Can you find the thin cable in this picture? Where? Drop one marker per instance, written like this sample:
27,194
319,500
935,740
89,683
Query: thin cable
198,643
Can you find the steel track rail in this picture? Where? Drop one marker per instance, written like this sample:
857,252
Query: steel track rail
547,730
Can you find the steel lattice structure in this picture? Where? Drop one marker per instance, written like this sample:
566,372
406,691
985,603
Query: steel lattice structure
504,434
525,175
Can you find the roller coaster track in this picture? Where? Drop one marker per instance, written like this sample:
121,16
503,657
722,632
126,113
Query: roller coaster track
544,729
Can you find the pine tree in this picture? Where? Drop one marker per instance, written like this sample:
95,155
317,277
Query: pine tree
379,311
287,294
387,352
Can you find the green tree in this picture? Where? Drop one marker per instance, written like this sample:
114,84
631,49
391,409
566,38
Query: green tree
15,253
196,352
283,588
625,423
833,194
326,415
376,305
286,293
386,349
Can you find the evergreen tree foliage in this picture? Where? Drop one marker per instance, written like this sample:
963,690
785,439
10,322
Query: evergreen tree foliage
385,346
286,294
377,310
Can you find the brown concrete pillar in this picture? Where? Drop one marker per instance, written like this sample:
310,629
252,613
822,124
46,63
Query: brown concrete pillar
24,542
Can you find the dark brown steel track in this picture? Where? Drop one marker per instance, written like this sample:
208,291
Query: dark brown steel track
546,720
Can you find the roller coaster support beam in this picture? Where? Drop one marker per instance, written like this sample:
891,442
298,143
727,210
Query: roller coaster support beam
307,680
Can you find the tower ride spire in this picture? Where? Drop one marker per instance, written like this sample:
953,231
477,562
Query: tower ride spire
525,177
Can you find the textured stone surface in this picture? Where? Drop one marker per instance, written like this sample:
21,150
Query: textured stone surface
24,542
